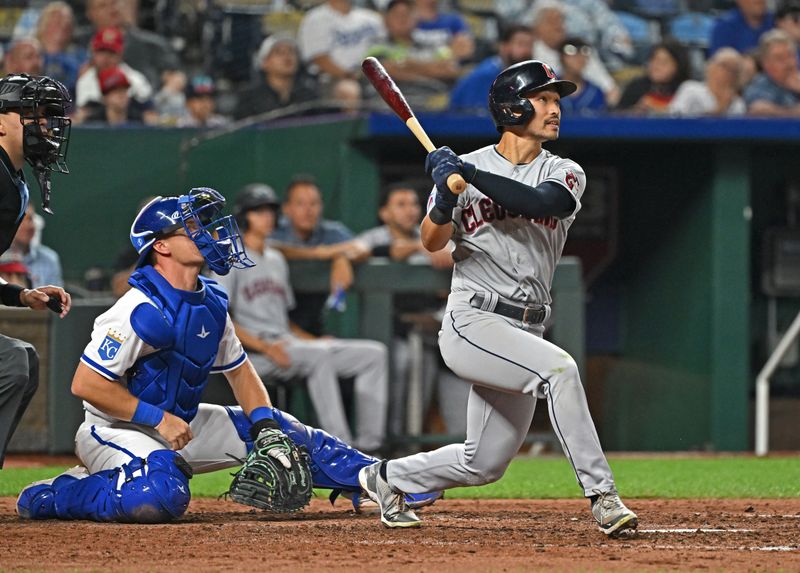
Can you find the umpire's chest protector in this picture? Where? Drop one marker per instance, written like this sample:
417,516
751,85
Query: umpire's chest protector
185,328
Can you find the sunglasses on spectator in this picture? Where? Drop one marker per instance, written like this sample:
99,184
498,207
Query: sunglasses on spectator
572,50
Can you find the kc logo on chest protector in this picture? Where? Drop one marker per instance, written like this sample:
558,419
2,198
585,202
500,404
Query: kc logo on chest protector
110,345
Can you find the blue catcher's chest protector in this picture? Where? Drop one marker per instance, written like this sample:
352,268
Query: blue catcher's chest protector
186,329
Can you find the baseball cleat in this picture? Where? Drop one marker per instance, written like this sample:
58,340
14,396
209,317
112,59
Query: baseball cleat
363,504
393,507
611,515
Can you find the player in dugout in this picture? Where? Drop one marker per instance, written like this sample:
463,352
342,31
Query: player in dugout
33,128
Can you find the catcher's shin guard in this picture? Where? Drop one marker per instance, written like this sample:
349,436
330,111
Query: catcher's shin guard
334,464
154,490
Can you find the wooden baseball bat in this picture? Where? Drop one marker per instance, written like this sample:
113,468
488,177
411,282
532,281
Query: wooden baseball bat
391,94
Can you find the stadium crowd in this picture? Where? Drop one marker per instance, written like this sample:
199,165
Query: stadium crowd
205,64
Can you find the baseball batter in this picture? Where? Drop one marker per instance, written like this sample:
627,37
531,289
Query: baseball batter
143,372
509,227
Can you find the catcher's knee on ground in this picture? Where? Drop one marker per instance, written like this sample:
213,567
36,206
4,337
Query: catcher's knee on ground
155,490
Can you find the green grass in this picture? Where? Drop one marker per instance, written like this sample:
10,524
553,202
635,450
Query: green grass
668,477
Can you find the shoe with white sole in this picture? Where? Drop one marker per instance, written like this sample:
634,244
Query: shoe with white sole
611,515
393,507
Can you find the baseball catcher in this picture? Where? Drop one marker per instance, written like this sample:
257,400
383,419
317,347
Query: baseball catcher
141,376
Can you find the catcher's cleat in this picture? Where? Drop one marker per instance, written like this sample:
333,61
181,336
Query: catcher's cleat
611,515
393,507
37,500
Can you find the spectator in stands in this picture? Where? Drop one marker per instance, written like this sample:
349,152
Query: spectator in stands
117,108
420,71
144,51
24,56
399,239
776,90
471,91
718,94
596,23
107,49
281,81
546,18
278,348
667,68
302,233
741,27
588,99
437,30
42,262
170,100
201,105
62,57
787,18
14,271
335,36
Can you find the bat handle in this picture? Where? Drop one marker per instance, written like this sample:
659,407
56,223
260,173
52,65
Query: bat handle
456,183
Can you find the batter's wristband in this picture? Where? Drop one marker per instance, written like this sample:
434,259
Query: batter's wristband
147,414
9,294
440,217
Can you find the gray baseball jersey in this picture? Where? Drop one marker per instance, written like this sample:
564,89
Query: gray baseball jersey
510,364
504,253
261,297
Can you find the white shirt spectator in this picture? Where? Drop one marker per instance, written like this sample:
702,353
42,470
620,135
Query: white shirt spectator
344,37
693,98
88,87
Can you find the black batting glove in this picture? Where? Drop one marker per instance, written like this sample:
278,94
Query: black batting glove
440,164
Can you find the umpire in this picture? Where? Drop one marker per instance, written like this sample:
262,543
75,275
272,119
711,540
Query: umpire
33,128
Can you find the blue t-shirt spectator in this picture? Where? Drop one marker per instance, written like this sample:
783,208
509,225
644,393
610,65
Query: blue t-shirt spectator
472,91
763,88
326,233
588,101
439,31
731,29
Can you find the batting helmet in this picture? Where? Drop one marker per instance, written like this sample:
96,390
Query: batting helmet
254,196
507,102
218,239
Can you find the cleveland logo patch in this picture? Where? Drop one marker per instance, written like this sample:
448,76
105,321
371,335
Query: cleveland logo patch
110,345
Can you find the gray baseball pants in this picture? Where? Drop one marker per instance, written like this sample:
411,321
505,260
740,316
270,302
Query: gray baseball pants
510,368
322,362
19,379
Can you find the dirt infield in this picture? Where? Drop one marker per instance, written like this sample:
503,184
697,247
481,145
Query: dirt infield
457,536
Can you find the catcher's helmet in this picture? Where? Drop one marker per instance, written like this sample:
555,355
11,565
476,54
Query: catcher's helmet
43,104
254,196
218,239
507,103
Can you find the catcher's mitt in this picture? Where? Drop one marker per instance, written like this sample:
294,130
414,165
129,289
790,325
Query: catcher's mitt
275,476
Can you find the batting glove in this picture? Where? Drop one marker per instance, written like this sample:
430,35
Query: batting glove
440,164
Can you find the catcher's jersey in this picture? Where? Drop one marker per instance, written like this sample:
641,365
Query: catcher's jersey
261,297
115,346
504,253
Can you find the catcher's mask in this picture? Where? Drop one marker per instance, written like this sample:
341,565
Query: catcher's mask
42,104
217,238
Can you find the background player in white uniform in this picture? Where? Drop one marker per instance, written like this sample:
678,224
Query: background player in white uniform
260,300
509,227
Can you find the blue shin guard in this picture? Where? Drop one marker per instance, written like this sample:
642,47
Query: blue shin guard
154,490
334,464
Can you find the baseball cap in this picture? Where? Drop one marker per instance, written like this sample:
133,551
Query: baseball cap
200,86
269,43
12,263
111,79
109,39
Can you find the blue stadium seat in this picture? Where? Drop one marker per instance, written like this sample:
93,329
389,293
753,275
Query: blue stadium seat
644,33
692,29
